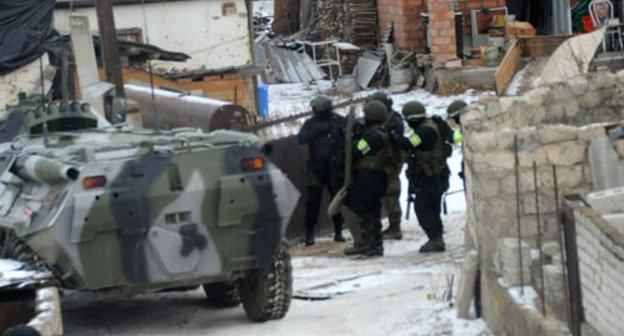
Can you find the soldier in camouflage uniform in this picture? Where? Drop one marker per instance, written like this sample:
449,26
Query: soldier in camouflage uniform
391,202
427,171
323,135
453,112
371,154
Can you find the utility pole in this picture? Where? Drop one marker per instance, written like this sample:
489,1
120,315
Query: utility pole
109,46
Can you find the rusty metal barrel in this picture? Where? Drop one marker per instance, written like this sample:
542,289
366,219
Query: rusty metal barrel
181,110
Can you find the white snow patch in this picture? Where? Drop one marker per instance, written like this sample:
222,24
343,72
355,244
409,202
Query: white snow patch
7,265
265,8
526,298
441,319
11,271
514,85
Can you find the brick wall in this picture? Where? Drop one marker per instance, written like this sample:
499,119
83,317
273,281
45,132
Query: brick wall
409,33
465,6
601,262
442,29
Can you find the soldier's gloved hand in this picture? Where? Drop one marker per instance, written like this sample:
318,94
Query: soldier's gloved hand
461,174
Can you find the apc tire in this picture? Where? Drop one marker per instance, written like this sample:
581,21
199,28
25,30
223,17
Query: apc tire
266,293
222,294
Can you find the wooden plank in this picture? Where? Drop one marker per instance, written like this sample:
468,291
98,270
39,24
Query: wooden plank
516,29
507,68
541,46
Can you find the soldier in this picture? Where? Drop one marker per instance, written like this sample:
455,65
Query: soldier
391,202
323,135
453,112
371,154
427,171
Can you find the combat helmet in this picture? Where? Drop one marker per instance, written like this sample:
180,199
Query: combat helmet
381,97
375,112
455,109
414,111
321,105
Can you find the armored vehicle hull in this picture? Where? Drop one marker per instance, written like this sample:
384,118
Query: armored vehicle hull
122,210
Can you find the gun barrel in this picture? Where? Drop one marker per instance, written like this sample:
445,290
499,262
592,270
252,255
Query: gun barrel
42,169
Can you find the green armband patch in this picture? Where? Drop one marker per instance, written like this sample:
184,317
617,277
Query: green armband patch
457,137
363,146
415,140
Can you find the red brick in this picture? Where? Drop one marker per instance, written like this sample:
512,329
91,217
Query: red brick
440,24
448,15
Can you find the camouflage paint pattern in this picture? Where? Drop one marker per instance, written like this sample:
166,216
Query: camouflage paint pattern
177,208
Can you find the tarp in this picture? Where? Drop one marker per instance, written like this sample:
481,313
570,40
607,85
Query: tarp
572,58
25,27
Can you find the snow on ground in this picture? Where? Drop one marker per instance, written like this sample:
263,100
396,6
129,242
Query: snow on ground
11,272
264,7
402,293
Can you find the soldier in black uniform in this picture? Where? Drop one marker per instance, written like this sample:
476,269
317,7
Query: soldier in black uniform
323,133
427,171
394,123
371,154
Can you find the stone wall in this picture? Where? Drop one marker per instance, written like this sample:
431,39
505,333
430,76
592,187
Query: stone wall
554,125
601,263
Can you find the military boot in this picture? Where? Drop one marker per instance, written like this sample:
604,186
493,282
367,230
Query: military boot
309,238
338,237
377,251
433,245
393,232
354,250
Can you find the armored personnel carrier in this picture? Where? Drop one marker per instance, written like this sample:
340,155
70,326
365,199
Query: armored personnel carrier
120,210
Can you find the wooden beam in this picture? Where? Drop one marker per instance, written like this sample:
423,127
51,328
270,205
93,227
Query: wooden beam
507,68
541,46
109,45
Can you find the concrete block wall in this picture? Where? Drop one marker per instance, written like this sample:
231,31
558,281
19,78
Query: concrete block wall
601,263
554,125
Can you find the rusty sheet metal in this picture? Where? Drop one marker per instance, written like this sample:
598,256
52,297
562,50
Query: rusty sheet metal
291,158
177,110
286,66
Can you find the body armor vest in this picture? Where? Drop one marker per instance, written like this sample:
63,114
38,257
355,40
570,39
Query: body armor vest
433,161
381,160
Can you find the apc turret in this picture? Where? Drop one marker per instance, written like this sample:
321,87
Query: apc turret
29,117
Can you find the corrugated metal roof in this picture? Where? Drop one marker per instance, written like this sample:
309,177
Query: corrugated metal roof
286,66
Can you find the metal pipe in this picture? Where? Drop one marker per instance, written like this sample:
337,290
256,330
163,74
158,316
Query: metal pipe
517,171
178,110
539,238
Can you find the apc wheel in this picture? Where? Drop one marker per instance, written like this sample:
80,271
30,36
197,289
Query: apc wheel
222,294
266,292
